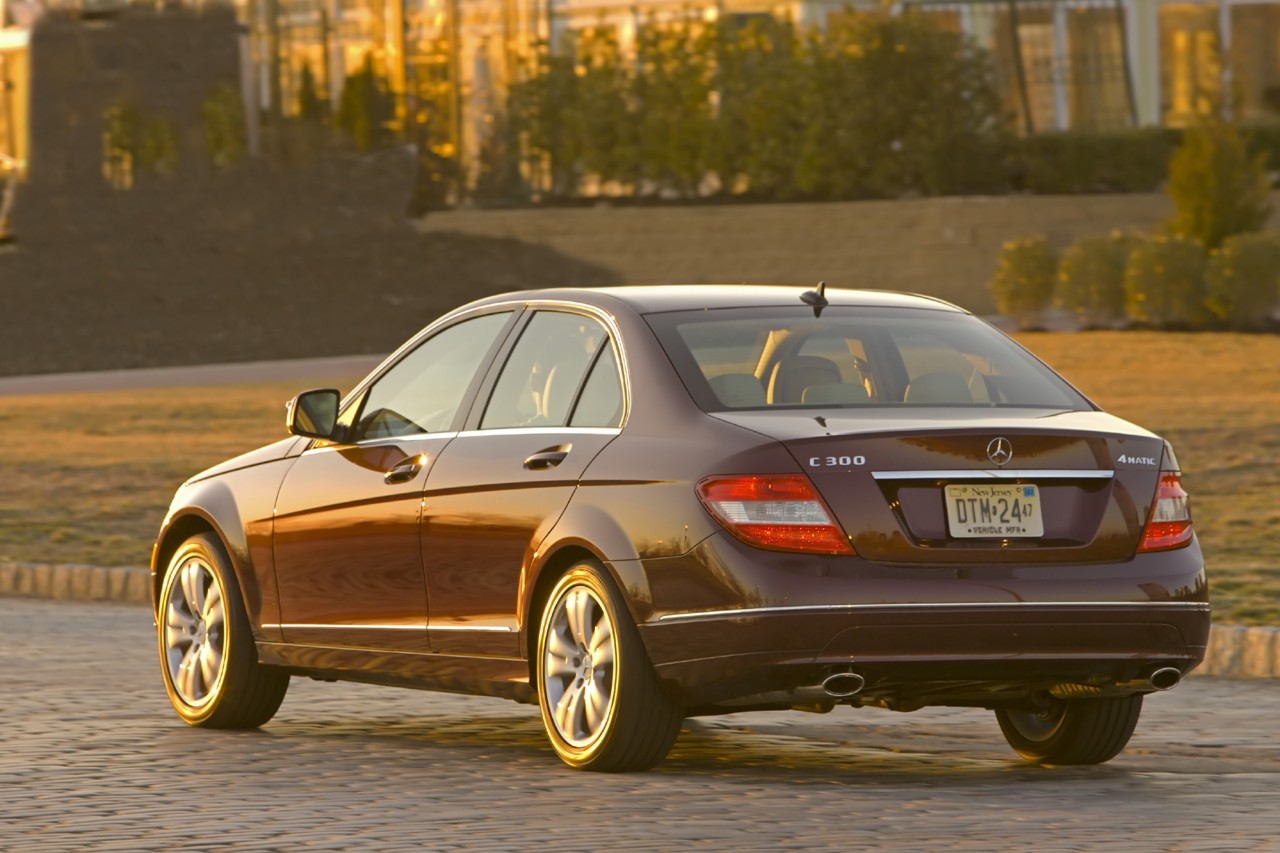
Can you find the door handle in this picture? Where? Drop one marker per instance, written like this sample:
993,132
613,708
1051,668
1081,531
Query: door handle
405,470
547,458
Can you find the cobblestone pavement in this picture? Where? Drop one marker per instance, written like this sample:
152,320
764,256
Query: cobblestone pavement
93,758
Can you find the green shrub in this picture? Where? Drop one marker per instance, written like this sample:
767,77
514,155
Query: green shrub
1074,161
311,107
1217,187
1243,280
1164,282
1262,139
1023,282
222,120
136,143
1091,279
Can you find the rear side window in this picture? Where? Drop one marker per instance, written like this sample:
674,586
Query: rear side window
754,358
545,379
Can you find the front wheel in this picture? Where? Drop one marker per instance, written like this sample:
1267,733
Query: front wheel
602,706
1079,731
207,655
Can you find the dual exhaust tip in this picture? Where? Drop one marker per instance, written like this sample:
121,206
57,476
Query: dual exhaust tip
842,685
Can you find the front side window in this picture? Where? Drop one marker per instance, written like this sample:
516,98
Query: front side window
543,379
765,357
421,393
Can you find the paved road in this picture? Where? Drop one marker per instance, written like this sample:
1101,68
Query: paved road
296,370
93,759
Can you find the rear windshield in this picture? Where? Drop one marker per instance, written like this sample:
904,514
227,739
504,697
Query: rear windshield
751,358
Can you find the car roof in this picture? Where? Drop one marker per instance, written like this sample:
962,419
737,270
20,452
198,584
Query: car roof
646,299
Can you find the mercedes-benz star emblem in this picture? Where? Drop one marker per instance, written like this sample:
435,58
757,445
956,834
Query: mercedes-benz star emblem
1000,451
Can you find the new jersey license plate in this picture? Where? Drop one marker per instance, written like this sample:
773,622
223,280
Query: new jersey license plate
993,512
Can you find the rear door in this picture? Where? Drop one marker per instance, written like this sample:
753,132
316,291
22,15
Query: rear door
498,488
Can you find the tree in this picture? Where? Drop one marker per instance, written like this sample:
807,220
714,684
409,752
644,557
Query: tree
365,107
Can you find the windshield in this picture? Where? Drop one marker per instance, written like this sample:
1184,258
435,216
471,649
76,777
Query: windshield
750,358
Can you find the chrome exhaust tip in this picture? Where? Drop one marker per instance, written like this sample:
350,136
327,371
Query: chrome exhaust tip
1165,678
842,685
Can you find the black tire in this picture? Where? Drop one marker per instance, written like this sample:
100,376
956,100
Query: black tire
635,722
1079,731
207,655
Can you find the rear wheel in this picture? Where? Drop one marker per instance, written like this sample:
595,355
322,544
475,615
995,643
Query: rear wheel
207,655
602,706
1080,731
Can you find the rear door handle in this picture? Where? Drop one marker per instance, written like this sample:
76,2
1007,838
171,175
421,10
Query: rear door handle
547,458
405,470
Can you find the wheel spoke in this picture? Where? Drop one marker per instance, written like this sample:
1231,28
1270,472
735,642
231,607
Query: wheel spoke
177,621
602,644
578,608
566,711
212,609
559,657
186,675
210,658
193,586
595,703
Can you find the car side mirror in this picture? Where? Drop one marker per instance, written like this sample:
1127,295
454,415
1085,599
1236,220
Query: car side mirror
314,414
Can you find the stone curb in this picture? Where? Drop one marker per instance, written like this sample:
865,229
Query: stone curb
75,582
1235,651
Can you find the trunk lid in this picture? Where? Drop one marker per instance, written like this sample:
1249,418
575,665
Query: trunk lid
944,486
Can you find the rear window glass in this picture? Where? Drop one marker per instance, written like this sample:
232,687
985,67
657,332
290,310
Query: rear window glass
785,357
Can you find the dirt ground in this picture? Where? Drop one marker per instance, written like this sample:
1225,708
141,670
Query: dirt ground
258,265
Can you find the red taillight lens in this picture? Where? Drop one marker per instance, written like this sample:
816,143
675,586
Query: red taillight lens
1170,523
781,513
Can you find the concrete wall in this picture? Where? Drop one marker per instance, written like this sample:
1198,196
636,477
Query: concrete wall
945,247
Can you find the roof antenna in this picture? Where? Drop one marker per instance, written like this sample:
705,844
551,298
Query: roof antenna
816,298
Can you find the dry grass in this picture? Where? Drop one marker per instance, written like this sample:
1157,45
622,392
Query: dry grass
87,477
1216,397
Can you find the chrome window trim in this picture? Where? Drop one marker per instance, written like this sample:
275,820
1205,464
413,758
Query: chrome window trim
360,626
383,440
747,612
549,430
996,474
500,629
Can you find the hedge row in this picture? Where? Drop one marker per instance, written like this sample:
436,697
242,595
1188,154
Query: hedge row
1156,281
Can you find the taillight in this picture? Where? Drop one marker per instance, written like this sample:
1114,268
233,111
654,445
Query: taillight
781,513
1169,525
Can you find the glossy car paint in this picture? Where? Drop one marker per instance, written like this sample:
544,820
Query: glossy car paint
438,582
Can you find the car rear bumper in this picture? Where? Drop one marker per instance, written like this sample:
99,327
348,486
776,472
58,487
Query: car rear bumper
989,633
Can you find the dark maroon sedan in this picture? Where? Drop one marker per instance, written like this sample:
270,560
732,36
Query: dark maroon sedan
639,504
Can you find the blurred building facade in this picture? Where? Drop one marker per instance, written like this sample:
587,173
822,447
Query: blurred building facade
1061,64
15,83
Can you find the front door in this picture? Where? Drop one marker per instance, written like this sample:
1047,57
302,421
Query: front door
347,542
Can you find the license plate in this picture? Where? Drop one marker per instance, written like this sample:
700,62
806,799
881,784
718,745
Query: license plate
993,512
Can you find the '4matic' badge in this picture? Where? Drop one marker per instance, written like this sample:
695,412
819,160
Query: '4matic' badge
1125,459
